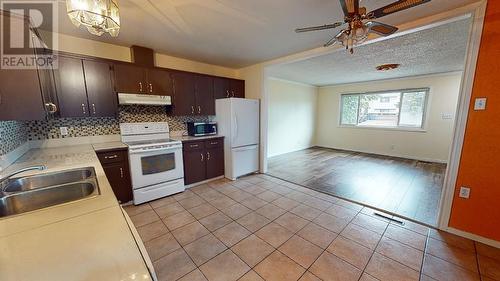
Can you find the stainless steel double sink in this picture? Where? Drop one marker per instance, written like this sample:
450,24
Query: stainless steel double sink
25,194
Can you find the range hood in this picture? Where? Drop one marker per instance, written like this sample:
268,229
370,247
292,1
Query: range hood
125,98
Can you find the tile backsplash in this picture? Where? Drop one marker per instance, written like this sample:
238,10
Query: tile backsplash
14,133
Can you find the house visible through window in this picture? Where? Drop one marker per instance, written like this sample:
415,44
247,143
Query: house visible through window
401,108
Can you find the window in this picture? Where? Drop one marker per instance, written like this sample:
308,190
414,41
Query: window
391,109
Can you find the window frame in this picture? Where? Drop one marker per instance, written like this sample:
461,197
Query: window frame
427,91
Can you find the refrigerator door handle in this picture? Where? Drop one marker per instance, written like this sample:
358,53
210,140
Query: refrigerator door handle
235,135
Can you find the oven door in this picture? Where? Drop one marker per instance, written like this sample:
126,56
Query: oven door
149,167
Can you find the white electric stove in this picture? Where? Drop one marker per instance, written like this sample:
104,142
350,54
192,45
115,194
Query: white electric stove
156,164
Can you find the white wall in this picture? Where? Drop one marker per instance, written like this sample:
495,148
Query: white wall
431,145
292,116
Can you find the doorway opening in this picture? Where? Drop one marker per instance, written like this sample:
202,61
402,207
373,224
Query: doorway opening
380,138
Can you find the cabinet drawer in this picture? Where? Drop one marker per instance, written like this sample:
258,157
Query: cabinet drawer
112,157
193,145
218,142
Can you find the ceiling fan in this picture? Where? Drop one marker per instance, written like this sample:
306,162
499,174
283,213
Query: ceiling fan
360,23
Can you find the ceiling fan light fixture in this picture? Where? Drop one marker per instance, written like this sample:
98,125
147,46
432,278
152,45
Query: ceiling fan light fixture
387,67
98,16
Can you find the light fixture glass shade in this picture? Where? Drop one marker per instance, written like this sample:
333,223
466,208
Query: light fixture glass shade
99,16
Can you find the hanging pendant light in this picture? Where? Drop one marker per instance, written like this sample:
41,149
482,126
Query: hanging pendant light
99,16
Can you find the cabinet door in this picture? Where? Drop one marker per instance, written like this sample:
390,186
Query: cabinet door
20,95
215,162
102,99
48,85
237,88
194,166
159,82
119,177
205,102
184,93
71,91
221,88
130,79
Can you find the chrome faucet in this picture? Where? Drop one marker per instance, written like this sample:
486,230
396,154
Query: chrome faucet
7,177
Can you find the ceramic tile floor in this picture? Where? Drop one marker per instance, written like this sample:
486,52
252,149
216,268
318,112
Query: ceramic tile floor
262,228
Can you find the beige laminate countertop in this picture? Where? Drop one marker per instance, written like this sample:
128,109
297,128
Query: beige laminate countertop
107,146
87,239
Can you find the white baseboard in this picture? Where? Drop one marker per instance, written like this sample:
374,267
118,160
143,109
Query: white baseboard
388,154
295,150
474,237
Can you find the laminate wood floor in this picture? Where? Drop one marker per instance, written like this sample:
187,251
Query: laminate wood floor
406,187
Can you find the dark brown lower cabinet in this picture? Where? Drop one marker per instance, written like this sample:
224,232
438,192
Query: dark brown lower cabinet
116,168
203,160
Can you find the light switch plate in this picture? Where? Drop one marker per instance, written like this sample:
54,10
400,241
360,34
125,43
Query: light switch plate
64,131
480,104
464,192
446,116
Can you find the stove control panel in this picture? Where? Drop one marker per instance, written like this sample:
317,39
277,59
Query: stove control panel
147,128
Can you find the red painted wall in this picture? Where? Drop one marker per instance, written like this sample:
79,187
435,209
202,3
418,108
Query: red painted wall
480,163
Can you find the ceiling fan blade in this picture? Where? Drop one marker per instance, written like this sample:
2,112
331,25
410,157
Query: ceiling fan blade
350,6
395,7
334,40
319,27
381,28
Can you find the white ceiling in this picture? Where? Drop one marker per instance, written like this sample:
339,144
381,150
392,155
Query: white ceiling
234,33
435,50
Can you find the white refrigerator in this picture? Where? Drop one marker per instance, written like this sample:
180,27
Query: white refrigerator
238,121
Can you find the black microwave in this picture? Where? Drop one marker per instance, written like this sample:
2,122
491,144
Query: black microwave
197,129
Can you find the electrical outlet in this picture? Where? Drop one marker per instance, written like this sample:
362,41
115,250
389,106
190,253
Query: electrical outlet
464,192
392,147
64,131
480,104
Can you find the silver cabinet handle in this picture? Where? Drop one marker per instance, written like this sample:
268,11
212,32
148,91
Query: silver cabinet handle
83,109
199,109
111,157
140,86
193,145
51,107
201,154
150,87
93,108
214,142
121,173
227,94
192,109
232,92
208,155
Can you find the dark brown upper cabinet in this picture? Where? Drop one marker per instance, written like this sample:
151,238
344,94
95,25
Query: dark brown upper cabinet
221,88
159,82
131,78
184,100
237,88
20,93
228,88
204,93
102,100
84,88
70,84
193,94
